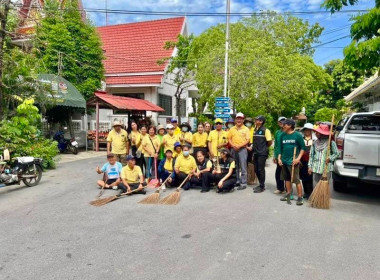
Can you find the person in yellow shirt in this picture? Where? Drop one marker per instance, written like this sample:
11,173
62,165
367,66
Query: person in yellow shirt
217,139
238,138
177,130
207,126
150,147
169,139
262,140
177,150
200,141
140,160
184,166
166,168
132,177
135,140
117,143
202,177
186,137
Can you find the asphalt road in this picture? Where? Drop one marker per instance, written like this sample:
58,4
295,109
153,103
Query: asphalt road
51,232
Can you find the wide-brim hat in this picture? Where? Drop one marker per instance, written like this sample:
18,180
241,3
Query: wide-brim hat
185,124
307,126
116,123
160,127
323,129
248,120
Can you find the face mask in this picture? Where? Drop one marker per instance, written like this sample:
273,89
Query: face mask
230,125
248,124
184,129
186,153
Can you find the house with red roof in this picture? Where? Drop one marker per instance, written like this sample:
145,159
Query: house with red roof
131,52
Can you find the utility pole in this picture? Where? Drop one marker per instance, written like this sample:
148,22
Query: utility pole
227,48
4,10
106,5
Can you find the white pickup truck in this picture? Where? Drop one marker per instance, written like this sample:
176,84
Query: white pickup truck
359,144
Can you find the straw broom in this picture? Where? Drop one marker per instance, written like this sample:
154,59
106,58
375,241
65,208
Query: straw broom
154,198
173,198
320,198
104,201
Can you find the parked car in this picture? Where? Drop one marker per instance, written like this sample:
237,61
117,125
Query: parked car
359,144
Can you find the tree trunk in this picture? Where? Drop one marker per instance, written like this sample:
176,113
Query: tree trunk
178,104
3,24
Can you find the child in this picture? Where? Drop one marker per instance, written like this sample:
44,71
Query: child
111,170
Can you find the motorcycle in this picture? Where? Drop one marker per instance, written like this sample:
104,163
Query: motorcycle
26,169
65,144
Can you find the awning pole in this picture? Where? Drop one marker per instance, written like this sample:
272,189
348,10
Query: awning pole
97,128
86,128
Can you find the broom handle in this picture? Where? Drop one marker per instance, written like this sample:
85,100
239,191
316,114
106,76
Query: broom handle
328,147
163,183
294,157
183,182
126,193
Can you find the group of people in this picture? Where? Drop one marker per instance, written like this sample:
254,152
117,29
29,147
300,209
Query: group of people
232,155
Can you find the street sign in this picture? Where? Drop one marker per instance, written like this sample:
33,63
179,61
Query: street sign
227,116
222,105
222,99
222,111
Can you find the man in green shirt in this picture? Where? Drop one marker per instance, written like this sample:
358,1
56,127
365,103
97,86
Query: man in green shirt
291,140
277,139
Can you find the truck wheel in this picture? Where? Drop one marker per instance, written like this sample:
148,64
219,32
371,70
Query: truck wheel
340,186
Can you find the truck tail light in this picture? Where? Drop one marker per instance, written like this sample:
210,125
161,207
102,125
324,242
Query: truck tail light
340,144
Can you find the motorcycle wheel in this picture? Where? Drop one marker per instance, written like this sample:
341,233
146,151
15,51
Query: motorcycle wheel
73,149
31,182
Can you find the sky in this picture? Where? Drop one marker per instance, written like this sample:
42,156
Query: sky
335,26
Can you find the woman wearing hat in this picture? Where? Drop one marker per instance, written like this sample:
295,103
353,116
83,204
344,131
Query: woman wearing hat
318,154
186,137
160,136
200,141
306,178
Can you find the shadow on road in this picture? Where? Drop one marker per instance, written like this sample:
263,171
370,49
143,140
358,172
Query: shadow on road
363,193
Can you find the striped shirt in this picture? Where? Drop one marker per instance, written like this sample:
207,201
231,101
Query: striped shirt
317,160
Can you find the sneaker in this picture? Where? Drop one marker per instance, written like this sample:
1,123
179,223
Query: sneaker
258,190
279,192
299,201
204,191
291,197
115,187
218,190
286,198
242,187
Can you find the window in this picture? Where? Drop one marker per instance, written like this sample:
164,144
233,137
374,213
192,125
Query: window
103,125
365,123
131,95
166,103
182,103
77,125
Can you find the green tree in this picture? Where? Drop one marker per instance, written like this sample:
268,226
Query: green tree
363,52
271,69
325,114
69,45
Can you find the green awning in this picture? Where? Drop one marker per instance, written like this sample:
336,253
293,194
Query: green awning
63,92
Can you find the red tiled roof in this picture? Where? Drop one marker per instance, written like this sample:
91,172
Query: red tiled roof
136,47
146,79
122,103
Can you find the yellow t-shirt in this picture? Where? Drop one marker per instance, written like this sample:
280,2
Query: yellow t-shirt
143,138
208,165
200,140
177,131
217,138
132,176
175,154
135,138
238,136
251,133
118,141
185,164
187,136
170,140
147,146
168,166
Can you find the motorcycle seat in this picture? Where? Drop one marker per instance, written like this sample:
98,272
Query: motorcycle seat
25,159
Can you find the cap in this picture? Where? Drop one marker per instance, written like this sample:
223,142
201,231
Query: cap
116,123
169,126
174,120
224,150
260,118
239,115
218,120
281,119
130,157
289,122
110,155
177,144
186,124
308,126
160,127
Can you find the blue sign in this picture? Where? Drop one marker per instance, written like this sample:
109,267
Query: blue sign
227,116
222,105
222,111
222,99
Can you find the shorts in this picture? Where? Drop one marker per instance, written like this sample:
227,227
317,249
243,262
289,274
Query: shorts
111,181
286,173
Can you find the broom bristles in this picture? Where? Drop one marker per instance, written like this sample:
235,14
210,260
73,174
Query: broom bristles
320,198
103,201
154,198
171,199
